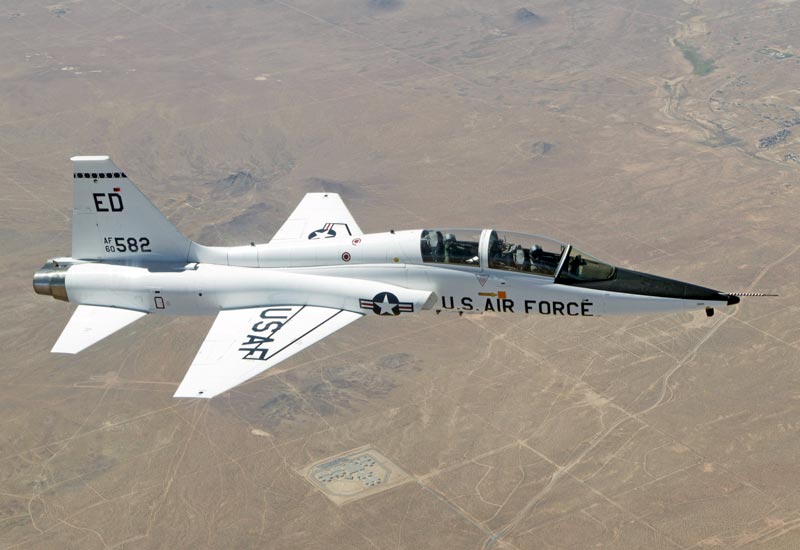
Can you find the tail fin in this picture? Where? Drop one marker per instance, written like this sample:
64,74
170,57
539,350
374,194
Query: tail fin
113,220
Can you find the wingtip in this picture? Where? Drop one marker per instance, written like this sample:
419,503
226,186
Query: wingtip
192,394
63,350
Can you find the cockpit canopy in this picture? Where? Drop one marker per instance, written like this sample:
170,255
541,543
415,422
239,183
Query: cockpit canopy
524,253
517,252
451,246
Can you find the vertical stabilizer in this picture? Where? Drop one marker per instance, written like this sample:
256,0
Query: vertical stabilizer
113,220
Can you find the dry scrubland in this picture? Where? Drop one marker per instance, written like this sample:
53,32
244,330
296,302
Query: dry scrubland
658,134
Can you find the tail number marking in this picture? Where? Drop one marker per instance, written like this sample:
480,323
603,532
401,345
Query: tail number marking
127,244
108,202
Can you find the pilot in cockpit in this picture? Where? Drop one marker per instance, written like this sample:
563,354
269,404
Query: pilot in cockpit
502,254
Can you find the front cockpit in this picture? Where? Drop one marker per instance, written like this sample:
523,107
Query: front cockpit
530,254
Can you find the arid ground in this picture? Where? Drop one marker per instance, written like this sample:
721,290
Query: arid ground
660,135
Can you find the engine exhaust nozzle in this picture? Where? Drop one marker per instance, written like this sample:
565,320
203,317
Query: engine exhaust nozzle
50,280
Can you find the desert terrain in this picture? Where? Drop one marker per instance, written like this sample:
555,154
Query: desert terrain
659,135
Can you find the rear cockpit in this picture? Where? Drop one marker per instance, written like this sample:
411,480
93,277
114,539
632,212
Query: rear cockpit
451,246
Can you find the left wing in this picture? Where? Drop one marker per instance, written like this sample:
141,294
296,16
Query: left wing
245,342
318,216
90,324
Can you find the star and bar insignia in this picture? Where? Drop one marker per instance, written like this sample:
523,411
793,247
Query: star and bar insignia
386,303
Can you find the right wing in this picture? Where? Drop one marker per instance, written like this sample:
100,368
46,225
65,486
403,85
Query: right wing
245,342
318,216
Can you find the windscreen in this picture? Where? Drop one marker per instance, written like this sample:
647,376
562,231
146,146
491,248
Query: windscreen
581,267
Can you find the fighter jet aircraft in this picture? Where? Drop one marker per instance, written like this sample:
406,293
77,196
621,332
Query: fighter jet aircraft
318,274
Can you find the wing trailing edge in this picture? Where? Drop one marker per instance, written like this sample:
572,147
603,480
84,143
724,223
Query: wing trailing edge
90,324
243,343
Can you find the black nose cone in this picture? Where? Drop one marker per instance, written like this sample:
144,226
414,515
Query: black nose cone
634,282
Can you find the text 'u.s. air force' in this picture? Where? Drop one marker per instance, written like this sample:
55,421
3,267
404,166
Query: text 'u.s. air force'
506,305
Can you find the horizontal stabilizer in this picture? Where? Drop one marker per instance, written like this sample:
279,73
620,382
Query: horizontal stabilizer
90,324
245,342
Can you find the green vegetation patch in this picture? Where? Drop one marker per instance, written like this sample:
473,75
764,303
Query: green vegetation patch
701,65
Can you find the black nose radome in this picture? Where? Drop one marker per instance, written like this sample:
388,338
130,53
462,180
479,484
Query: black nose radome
732,300
644,284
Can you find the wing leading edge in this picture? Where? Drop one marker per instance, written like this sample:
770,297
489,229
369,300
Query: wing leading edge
243,343
318,216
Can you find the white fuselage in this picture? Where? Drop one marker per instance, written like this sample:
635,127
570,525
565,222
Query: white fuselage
340,273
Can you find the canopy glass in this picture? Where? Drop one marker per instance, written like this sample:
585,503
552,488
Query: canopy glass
581,267
451,246
524,253
509,251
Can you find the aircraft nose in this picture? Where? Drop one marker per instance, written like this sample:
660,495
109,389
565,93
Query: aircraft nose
634,282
